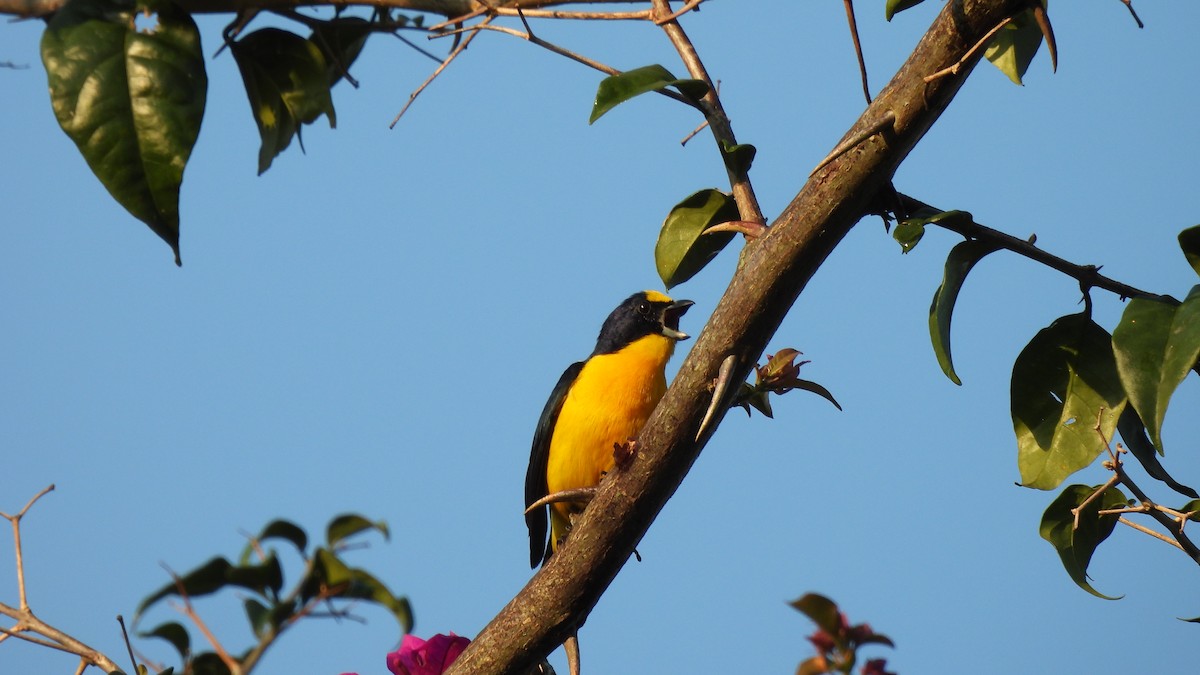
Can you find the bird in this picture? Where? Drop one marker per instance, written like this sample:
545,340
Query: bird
597,405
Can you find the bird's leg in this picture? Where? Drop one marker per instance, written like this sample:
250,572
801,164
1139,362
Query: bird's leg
571,647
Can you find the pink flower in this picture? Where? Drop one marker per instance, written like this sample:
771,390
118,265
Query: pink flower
426,657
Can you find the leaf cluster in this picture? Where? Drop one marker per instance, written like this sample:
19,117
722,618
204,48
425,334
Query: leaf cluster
132,98
327,586
1076,386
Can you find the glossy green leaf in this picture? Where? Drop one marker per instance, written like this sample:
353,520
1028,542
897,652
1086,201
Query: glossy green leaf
960,261
894,7
910,230
1061,382
822,611
1075,546
908,233
340,40
616,89
174,633
683,249
1014,46
349,582
738,157
1156,344
131,100
1189,241
350,524
287,83
1133,432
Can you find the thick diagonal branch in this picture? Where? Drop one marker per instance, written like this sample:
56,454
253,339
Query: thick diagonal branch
775,269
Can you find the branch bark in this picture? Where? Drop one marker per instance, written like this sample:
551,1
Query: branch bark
446,8
774,271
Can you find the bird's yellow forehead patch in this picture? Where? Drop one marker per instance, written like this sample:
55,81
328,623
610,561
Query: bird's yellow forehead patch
655,296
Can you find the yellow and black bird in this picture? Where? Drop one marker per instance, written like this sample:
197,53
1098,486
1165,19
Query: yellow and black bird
596,404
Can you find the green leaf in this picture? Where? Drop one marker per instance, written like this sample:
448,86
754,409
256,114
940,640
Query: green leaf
683,249
1192,507
216,574
277,529
341,40
738,157
259,616
1061,382
908,233
616,89
1075,546
894,7
131,100
208,663
1156,344
958,263
911,229
287,83
1133,432
349,524
1014,46
809,385
348,582
822,611
1189,241
281,612
174,633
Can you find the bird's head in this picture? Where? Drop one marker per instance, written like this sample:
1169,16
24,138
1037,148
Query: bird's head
642,314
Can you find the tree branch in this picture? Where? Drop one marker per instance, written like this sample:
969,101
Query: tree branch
714,113
446,8
775,269
1087,275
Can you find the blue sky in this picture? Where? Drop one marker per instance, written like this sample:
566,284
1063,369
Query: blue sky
374,327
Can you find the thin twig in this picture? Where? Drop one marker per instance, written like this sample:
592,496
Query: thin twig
966,58
641,14
687,7
438,71
529,36
1145,530
714,112
1175,528
862,64
190,612
16,528
1078,510
695,131
1088,275
1129,5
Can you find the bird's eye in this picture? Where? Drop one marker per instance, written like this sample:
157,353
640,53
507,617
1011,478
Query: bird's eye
643,307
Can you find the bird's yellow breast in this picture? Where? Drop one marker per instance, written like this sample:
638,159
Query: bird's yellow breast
608,403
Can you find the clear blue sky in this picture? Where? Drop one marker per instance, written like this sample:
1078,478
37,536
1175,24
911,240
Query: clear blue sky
374,327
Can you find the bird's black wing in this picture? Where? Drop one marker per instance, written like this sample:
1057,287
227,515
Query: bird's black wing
539,455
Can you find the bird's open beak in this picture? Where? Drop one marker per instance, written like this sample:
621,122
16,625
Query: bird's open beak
670,319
